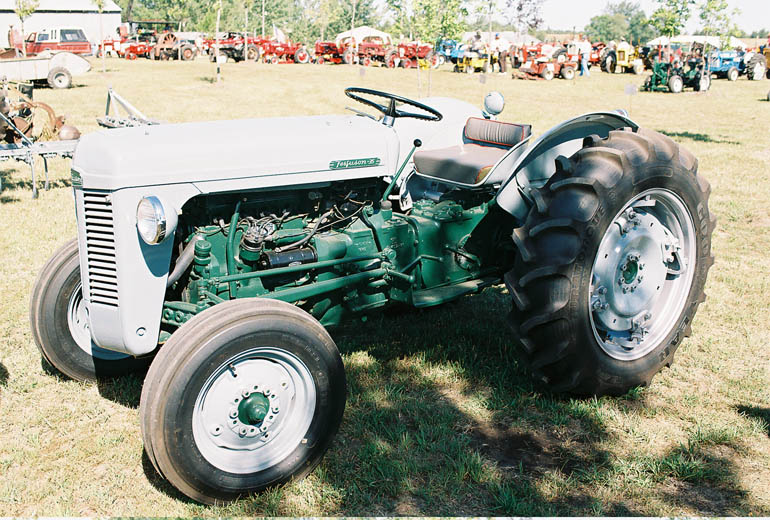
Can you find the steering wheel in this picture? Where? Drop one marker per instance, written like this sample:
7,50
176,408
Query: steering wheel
390,112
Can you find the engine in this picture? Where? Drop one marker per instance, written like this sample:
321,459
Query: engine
331,250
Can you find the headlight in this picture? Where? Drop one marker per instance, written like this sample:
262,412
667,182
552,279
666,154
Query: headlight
151,220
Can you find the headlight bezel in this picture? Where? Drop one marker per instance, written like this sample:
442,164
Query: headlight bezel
159,215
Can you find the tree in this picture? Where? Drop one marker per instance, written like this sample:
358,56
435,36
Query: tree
24,9
524,15
672,15
438,18
717,21
607,27
639,28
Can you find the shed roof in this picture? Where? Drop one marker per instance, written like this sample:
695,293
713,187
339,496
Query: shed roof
64,6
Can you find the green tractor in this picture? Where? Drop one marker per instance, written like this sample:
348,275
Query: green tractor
221,259
675,76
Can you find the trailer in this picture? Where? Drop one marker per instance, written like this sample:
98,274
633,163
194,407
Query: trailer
54,69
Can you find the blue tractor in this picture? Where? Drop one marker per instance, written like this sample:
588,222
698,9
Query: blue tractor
447,49
727,64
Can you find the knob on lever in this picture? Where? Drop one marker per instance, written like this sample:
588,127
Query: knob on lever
417,143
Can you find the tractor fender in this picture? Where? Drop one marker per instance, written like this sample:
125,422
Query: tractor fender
535,166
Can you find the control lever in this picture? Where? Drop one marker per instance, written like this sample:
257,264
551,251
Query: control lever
394,182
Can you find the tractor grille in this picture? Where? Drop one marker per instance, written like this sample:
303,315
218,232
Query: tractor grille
100,248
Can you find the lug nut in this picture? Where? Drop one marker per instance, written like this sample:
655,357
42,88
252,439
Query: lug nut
245,393
601,290
647,315
243,431
233,413
275,409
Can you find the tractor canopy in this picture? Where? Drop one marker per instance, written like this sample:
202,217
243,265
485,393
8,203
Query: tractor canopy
277,151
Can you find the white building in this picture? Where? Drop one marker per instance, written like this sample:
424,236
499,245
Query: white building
51,14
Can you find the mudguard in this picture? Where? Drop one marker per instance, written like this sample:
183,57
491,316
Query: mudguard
535,166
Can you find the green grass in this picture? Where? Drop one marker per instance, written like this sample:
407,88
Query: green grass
442,418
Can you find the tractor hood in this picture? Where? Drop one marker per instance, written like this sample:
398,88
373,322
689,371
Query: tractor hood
240,154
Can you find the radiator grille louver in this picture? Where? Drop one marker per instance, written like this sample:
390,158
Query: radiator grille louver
100,248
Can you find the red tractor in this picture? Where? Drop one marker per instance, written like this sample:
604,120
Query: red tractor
547,67
407,55
231,45
327,52
280,52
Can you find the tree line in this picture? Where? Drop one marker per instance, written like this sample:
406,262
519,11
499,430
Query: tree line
626,20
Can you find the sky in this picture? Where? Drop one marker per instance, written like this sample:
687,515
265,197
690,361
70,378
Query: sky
564,14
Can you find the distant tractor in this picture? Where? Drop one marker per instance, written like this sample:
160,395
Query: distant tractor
756,63
675,76
444,50
727,64
624,58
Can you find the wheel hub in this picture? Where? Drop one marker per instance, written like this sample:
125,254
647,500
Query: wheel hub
253,410
641,273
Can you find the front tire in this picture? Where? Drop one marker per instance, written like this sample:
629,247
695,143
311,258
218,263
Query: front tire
675,84
201,429
59,323
590,320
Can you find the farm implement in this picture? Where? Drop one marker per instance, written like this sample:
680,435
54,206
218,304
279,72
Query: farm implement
222,271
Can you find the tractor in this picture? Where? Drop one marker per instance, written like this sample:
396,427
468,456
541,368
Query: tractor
542,67
220,261
727,64
756,63
674,75
475,61
444,49
623,58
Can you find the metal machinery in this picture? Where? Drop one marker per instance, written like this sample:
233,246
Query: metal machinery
228,267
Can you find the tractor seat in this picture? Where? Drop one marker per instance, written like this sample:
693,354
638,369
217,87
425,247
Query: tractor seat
485,142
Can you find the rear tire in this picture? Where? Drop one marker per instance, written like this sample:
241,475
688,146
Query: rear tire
59,77
756,67
559,249
59,323
391,59
609,61
253,53
302,56
195,428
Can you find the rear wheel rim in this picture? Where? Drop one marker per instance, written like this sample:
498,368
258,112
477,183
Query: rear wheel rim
77,321
642,274
232,440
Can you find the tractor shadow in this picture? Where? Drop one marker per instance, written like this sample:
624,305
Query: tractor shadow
763,414
444,419
703,138
3,375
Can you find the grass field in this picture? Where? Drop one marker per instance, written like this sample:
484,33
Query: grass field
442,418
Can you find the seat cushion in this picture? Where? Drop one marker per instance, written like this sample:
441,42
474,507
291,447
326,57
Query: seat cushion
495,132
466,164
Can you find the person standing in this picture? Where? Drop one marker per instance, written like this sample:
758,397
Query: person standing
584,47
500,48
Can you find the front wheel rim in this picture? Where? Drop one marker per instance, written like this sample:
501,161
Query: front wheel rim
77,322
230,434
642,274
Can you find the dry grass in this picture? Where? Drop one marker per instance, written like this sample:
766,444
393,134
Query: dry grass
441,418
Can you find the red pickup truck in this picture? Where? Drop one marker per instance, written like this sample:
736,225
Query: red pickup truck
70,39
